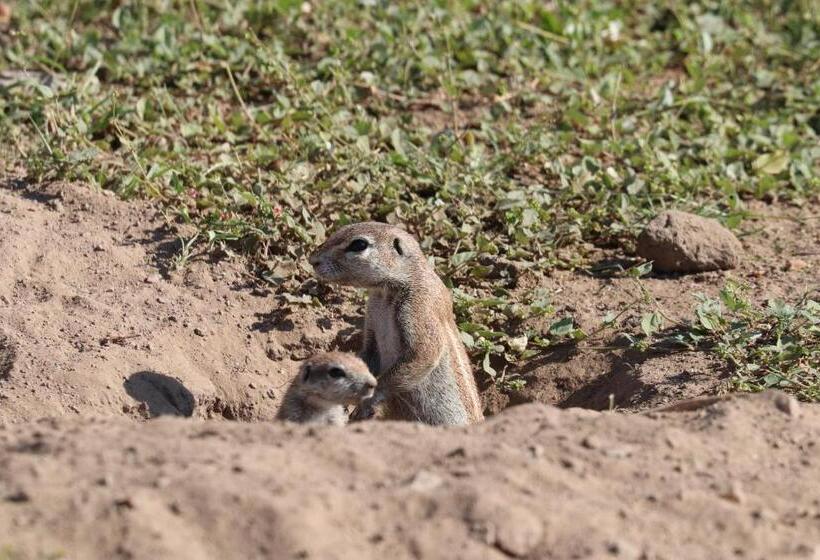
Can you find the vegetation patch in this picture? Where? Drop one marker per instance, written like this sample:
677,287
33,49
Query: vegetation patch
776,345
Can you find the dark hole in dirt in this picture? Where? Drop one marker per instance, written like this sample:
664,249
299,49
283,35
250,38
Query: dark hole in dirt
161,393
7,357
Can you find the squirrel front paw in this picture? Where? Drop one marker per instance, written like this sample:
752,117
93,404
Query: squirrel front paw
365,410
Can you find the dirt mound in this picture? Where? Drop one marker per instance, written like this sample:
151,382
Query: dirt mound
735,479
103,323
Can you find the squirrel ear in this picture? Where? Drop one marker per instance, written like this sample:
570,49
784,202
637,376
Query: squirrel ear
397,246
306,374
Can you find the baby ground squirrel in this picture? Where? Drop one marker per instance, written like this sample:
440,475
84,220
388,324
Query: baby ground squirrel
324,385
410,340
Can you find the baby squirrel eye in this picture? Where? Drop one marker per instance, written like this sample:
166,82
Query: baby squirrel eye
336,373
357,246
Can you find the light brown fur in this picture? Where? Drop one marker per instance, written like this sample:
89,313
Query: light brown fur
325,384
411,341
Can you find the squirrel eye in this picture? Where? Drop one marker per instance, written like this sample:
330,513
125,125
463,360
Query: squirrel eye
336,373
357,246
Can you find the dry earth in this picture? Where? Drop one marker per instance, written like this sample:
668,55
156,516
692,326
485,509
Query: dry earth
737,479
98,331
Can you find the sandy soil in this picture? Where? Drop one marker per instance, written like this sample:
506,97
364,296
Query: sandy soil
737,479
100,331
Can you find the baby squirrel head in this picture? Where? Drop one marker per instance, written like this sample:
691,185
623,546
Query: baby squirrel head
336,377
368,255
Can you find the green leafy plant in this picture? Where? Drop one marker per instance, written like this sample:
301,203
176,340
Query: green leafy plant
775,345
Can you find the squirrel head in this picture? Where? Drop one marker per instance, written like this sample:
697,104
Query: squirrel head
336,377
368,255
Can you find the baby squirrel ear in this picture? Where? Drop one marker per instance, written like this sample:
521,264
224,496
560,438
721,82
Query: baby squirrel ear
306,373
397,246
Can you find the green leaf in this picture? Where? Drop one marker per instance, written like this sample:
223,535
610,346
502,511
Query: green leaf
651,323
640,270
460,258
79,156
771,164
563,327
191,129
467,339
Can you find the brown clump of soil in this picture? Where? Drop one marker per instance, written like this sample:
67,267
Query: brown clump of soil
735,479
682,242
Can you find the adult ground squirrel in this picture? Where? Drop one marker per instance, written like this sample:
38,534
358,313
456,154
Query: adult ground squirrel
325,384
411,341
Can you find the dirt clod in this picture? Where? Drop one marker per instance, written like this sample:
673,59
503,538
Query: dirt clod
7,356
681,242
787,403
510,527
17,496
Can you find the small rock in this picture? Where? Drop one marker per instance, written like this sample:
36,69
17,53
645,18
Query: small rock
511,528
55,205
764,515
425,481
796,265
567,463
198,331
299,354
681,242
124,503
18,496
622,549
153,278
591,442
787,404
618,452
463,471
457,452
734,493
274,352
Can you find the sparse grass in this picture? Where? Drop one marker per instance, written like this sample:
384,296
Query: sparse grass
506,135
776,345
